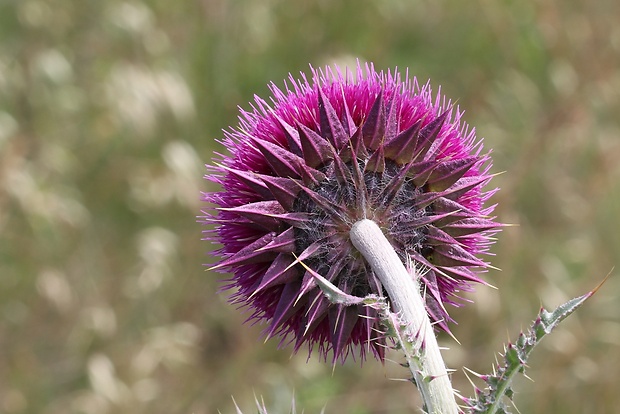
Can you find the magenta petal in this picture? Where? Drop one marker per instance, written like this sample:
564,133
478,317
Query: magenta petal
422,171
423,221
263,213
292,136
374,340
331,127
310,176
281,160
429,133
446,173
464,185
340,170
342,320
461,273
316,150
293,219
454,255
283,242
469,226
250,179
252,253
373,129
301,170
283,189
402,148
391,123
347,120
356,145
376,162
313,317
438,237
287,306
281,271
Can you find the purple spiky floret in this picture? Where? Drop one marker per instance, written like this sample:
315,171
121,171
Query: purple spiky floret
301,170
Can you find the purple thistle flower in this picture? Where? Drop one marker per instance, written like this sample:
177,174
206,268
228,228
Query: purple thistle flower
323,155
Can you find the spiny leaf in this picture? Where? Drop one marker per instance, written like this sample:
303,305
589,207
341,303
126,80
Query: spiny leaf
491,400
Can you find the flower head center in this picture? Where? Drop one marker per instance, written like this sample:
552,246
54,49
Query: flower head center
334,205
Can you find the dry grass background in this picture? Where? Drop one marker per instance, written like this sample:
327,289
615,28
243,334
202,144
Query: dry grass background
108,111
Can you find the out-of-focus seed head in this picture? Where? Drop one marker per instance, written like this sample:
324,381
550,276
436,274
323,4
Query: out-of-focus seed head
301,170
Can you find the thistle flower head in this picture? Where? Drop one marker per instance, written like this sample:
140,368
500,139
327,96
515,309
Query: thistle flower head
324,154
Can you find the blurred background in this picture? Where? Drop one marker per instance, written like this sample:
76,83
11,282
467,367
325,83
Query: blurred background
110,109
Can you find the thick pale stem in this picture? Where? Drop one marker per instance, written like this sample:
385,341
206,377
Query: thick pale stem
428,368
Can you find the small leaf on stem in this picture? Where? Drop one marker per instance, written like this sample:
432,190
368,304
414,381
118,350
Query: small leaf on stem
491,400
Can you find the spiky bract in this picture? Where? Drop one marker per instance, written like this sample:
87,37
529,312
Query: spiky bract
323,155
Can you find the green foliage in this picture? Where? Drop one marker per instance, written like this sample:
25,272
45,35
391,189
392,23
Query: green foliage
515,357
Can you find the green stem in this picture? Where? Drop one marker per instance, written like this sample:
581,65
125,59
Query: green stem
427,365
